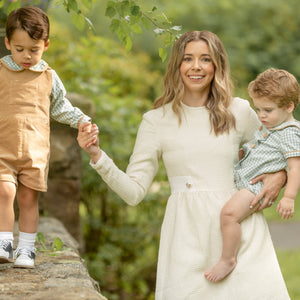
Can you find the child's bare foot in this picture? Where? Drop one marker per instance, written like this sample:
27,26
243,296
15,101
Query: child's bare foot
220,270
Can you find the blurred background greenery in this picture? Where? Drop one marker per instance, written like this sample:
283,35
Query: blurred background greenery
122,241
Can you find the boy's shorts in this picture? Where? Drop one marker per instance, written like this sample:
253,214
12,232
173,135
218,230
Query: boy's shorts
33,177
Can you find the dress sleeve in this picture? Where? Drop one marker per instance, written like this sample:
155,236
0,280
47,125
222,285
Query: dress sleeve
250,123
133,185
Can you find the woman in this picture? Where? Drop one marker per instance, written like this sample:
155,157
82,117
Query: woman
196,127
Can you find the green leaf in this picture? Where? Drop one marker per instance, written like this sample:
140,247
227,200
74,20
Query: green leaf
115,24
79,21
128,43
87,3
162,54
137,28
110,9
72,5
57,244
135,10
123,8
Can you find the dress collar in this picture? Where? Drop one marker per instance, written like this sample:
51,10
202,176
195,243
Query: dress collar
9,62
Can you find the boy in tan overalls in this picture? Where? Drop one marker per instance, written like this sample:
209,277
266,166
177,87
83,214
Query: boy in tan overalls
30,93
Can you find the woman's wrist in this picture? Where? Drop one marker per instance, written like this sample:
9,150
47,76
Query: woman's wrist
95,157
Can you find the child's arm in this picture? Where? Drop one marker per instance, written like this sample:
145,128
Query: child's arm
285,206
61,108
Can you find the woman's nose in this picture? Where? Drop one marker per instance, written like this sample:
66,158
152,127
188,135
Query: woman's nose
196,64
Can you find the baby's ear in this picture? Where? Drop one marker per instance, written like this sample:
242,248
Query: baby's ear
290,107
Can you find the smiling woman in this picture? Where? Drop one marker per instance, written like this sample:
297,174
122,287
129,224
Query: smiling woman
196,128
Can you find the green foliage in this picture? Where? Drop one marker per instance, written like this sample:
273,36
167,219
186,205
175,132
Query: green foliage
257,34
51,248
128,18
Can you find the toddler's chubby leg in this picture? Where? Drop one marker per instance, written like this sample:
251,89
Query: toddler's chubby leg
233,212
7,196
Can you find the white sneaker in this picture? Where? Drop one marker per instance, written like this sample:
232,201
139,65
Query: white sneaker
24,257
6,251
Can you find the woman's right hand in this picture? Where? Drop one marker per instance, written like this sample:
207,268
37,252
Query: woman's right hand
88,140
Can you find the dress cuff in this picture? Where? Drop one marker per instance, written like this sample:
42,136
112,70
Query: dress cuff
100,160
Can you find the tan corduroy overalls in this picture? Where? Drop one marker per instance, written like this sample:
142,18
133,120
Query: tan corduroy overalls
24,126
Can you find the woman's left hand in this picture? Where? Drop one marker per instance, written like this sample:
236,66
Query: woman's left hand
272,184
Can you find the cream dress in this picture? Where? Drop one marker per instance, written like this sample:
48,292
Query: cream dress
199,166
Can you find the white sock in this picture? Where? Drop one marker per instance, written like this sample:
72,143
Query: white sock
26,240
5,235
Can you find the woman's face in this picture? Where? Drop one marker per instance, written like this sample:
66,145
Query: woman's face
197,69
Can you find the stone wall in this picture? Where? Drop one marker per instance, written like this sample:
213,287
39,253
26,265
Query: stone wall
65,171
60,275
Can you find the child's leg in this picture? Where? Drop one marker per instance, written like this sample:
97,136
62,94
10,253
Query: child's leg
7,196
7,218
233,212
29,209
28,223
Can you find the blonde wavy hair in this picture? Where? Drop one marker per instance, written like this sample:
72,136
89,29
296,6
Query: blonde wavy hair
220,97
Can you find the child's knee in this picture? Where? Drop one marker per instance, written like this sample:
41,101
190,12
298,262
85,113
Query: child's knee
7,191
227,215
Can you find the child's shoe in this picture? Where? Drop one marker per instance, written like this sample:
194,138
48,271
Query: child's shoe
24,257
6,251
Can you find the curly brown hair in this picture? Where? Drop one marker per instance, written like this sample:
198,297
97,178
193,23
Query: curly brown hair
276,85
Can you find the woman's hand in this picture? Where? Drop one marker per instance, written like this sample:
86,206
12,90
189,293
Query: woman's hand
88,140
272,184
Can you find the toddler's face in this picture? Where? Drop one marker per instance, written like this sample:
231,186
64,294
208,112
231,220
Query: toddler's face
270,114
26,52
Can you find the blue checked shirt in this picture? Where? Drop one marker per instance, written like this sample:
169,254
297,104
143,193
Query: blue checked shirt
61,109
267,152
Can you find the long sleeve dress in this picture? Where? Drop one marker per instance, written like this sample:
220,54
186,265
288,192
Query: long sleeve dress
199,166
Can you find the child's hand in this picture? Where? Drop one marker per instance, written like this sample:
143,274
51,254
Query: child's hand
92,130
88,140
285,207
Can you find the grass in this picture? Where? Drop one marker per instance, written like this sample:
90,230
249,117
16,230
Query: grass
289,261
